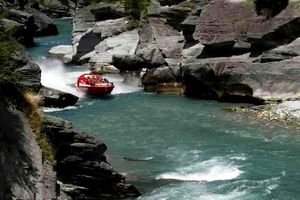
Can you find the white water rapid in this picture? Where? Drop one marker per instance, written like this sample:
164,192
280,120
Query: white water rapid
55,74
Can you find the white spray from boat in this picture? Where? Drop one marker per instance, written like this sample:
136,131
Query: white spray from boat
59,76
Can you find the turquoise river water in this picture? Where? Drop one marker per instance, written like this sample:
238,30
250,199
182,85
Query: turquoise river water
194,149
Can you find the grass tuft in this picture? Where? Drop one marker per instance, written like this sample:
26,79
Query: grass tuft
35,118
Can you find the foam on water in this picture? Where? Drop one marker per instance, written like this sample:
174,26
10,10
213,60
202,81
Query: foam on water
121,86
49,110
193,191
210,170
55,75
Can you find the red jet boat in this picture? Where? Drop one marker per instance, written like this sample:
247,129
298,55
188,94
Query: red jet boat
94,84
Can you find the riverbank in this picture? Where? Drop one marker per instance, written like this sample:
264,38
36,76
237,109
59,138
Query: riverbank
286,113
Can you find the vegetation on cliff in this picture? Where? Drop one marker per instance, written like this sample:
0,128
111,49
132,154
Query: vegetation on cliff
133,8
8,47
14,95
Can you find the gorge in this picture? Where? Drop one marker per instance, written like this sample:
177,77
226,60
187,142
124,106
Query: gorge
193,149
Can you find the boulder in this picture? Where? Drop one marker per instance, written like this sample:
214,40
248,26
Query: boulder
86,44
85,18
103,11
54,98
241,81
89,40
283,52
193,51
62,52
241,27
82,168
164,74
27,20
123,44
105,69
45,25
176,14
56,8
129,62
158,40
111,27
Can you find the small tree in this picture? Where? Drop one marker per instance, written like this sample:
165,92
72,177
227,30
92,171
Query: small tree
136,7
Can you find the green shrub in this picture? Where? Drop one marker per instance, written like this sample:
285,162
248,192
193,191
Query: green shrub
8,47
136,8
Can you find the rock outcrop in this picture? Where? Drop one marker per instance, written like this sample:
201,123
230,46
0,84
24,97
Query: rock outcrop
240,29
25,23
54,98
82,167
193,43
242,81
87,33
44,25
24,173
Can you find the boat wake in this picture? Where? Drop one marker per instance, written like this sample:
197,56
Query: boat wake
210,170
122,86
49,110
58,76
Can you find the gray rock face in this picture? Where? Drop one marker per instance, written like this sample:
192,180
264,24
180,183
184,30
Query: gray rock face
242,81
14,29
27,21
158,41
163,74
86,44
282,53
240,27
89,30
54,98
45,25
81,164
62,52
23,173
104,11
109,28
123,44
57,8
29,72
129,62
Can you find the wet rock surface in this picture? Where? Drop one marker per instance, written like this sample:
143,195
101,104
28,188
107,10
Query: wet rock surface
54,98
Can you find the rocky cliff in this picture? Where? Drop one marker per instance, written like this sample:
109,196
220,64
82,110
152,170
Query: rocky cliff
228,50
43,157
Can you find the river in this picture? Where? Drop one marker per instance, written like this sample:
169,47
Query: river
194,149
